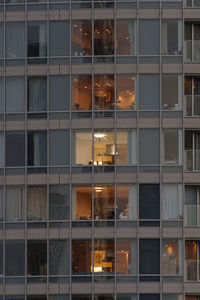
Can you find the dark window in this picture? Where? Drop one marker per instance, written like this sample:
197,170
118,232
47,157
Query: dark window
37,258
149,253
149,91
15,39
149,146
149,201
81,249
15,264
1,258
36,297
37,148
104,37
149,37
15,94
150,297
59,257
59,93
59,202
37,39
59,38
15,149
59,147
81,297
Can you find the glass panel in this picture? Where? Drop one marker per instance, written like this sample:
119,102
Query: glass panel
59,202
149,201
15,203
172,201
37,39
126,256
1,259
104,297
59,257
37,94
15,140
37,257
59,147
1,203
149,256
149,98
104,37
37,148
82,92
149,146
125,37
171,91
59,93
125,92
104,256
15,94
82,38
171,146
15,39
104,197
103,92
126,202
59,38
126,297
80,249
172,37
37,203
191,205
149,37
82,203
83,148
172,257
15,264
104,147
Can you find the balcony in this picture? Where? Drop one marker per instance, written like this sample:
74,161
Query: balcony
192,160
192,270
192,50
192,215
192,105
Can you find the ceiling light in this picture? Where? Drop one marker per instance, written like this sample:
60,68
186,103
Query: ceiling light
99,135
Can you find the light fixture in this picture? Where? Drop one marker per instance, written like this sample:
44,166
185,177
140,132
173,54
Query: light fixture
98,189
99,135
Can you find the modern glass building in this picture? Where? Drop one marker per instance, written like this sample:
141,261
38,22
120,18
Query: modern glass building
99,150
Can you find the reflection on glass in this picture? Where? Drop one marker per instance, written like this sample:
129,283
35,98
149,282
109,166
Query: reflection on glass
82,203
59,208
37,257
104,197
82,38
126,202
126,256
125,37
104,256
172,37
172,257
171,91
82,92
83,148
104,37
81,256
37,39
104,148
103,92
125,91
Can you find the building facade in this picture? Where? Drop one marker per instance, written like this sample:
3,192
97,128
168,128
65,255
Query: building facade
99,150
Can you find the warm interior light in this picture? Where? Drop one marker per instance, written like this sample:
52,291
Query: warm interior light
98,189
99,135
97,269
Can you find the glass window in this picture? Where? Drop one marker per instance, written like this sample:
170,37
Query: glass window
37,148
149,297
104,297
104,92
15,203
81,249
149,201
82,148
82,203
15,264
104,260
125,37
15,94
104,37
59,147
172,257
37,94
37,297
149,91
81,297
1,259
126,297
1,203
104,198
82,38
59,208
1,95
59,257
36,258
126,202
59,93
1,40
149,146
172,37
149,256
149,37
37,39
125,91
15,297
174,297
59,38
191,205
126,147
82,92
191,250
15,140
15,39
126,256
172,144
58,297
37,203
171,91
104,147
172,202
2,151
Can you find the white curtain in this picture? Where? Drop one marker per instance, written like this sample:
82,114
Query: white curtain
132,146
15,203
15,40
40,149
37,203
43,40
2,150
37,94
171,201
131,31
164,38
132,202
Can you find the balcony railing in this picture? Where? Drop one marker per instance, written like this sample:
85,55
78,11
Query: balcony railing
192,214
192,50
192,105
192,269
192,160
